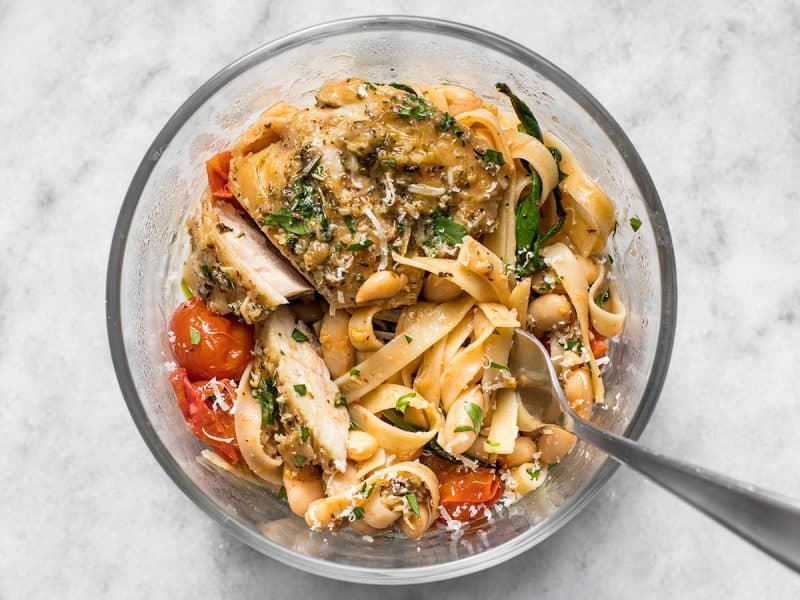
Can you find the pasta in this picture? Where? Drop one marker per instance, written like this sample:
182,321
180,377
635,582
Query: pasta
356,275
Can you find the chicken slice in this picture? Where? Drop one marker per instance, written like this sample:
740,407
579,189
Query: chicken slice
368,170
309,426
234,267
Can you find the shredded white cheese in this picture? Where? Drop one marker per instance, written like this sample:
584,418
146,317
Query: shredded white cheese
426,190
215,438
384,246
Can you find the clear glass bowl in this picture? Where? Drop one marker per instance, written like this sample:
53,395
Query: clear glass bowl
149,243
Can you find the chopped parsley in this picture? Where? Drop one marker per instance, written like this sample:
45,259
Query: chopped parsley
448,123
187,293
475,414
403,402
340,399
306,199
351,225
304,432
562,418
354,426
354,372
602,298
409,339
267,393
301,389
414,107
445,231
493,156
492,443
299,336
358,277
412,502
194,336
498,366
358,512
636,222
300,460
574,345
365,491
404,87
282,493
285,220
534,474
389,163
358,246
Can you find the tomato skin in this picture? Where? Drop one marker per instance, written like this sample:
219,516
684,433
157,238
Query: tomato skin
206,421
598,343
223,348
218,169
464,493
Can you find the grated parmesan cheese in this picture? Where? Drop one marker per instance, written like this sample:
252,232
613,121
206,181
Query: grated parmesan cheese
384,246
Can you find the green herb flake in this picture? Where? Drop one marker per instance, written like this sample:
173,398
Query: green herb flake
299,337
267,393
534,474
412,502
358,246
492,443
286,221
358,512
358,277
475,414
446,231
562,418
304,432
499,367
300,460
340,399
409,339
636,223
389,163
403,402
282,493
300,388
187,293
354,426
351,225
493,156
194,336
370,86
601,299
354,372
404,87
462,428
574,345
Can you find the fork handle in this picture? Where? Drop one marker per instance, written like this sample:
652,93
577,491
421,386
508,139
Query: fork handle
767,520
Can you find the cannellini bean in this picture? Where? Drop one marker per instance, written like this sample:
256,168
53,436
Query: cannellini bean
302,486
554,443
439,289
380,285
589,268
337,351
361,445
548,311
415,526
578,390
524,449
376,513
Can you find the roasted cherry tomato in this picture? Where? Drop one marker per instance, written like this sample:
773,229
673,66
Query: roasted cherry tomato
464,493
206,406
598,343
208,345
218,169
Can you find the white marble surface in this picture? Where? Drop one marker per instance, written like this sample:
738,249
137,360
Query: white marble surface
708,92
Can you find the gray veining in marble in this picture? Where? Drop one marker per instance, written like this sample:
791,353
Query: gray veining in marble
708,92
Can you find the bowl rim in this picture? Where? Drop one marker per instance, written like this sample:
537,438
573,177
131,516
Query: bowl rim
493,41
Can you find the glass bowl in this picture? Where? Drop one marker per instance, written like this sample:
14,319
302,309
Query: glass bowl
149,244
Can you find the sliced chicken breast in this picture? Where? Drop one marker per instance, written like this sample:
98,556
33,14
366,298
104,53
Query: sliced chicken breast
234,267
368,170
309,426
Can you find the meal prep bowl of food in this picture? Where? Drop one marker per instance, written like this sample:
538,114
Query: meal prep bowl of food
316,277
